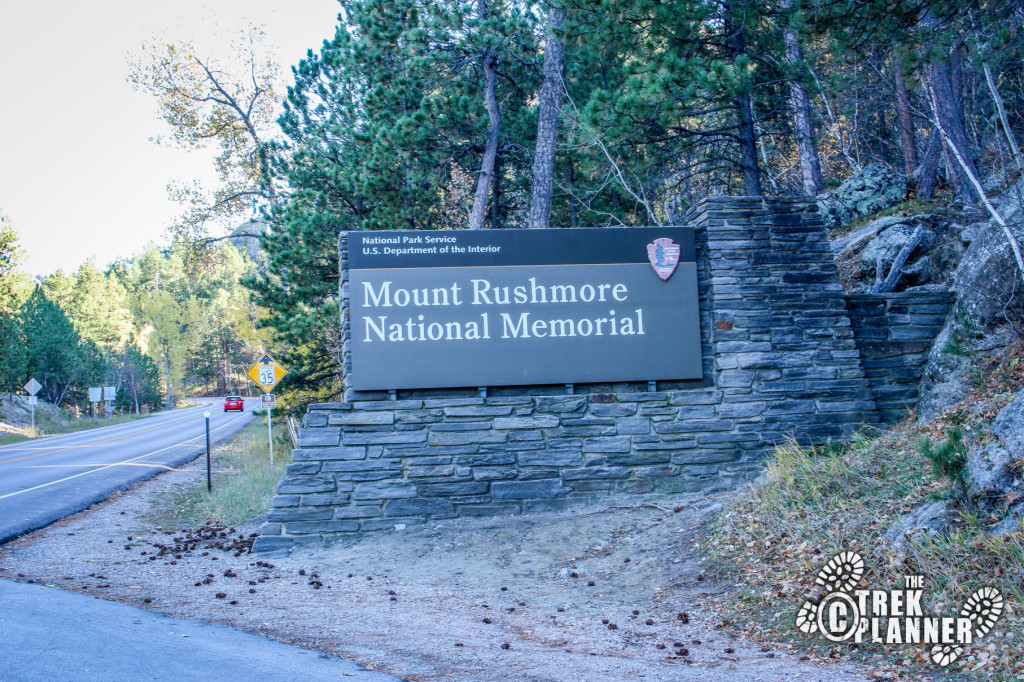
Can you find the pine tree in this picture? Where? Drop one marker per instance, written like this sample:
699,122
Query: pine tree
373,126
54,352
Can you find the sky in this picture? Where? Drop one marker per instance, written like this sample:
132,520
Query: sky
80,177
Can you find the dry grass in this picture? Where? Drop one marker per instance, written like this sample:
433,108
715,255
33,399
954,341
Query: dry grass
243,481
49,426
811,505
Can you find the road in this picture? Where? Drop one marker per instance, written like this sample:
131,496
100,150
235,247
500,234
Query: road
48,634
46,479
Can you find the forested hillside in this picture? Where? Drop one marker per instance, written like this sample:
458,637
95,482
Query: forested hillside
505,114
488,114
159,326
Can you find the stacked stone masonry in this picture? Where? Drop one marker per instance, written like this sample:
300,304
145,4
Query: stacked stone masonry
781,360
894,334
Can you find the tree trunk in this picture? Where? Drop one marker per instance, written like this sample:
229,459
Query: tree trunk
972,177
908,138
810,165
929,173
748,148
944,102
573,203
167,360
998,99
883,136
547,123
223,365
496,194
746,133
483,182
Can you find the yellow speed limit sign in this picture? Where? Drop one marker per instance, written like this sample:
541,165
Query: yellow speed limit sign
266,373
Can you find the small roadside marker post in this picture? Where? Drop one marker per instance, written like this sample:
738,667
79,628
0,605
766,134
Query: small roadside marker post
209,474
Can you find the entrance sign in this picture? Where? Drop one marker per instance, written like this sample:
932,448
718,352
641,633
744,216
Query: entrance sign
522,307
269,401
266,373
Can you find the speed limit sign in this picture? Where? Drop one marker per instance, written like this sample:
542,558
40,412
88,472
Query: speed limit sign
266,373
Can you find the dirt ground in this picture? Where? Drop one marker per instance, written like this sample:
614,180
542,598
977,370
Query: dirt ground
616,591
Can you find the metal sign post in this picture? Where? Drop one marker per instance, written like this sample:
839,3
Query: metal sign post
269,401
209,474
33,387
266,373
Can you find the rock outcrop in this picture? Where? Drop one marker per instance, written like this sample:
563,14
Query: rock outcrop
995,485
927,521
989,307
875,187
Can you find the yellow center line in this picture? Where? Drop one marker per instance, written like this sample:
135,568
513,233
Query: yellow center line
98,442
156,465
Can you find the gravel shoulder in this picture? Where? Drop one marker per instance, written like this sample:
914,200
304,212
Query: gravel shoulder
616,591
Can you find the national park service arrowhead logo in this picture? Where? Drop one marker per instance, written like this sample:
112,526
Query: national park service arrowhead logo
664,256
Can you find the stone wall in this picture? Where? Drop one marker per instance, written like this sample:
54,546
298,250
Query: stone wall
894,334
780,361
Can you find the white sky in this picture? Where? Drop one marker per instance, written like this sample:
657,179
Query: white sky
79,176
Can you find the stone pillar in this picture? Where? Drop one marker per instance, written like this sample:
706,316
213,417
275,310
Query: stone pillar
783,343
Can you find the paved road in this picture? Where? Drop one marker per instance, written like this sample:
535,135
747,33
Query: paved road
46,479
48,634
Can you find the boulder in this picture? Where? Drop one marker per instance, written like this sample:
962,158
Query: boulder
927,521
1013,523
990,471
886,246
875,187
994,469
858,236
990,295
883,251
944,383
987,282
1008,426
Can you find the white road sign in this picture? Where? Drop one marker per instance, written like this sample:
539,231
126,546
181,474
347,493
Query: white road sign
33,386
95,394
110,393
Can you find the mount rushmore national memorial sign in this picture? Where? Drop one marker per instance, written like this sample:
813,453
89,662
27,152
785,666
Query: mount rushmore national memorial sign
522,307
504,372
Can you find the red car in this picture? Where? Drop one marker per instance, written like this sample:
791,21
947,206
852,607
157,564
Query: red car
234,402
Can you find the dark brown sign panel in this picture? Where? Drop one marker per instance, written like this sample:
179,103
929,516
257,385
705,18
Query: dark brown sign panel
522,307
